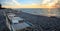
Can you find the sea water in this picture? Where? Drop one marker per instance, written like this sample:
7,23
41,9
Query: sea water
42,11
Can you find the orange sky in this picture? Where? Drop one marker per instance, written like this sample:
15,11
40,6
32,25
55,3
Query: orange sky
31,6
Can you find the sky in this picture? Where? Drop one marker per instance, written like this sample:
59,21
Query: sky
27,3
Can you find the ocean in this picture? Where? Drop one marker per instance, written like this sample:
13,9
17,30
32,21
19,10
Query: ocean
41,11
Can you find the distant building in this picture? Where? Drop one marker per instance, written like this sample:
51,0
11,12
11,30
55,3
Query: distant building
0,6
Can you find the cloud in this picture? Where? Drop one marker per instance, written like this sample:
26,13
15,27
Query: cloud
10,3
31,3
14,1
49,2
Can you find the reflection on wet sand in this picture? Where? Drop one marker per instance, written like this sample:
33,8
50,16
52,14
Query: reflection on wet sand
53,12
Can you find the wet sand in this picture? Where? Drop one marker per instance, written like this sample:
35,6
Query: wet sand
3,26
47,23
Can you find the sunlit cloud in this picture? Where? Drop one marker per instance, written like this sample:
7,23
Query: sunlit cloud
50,2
